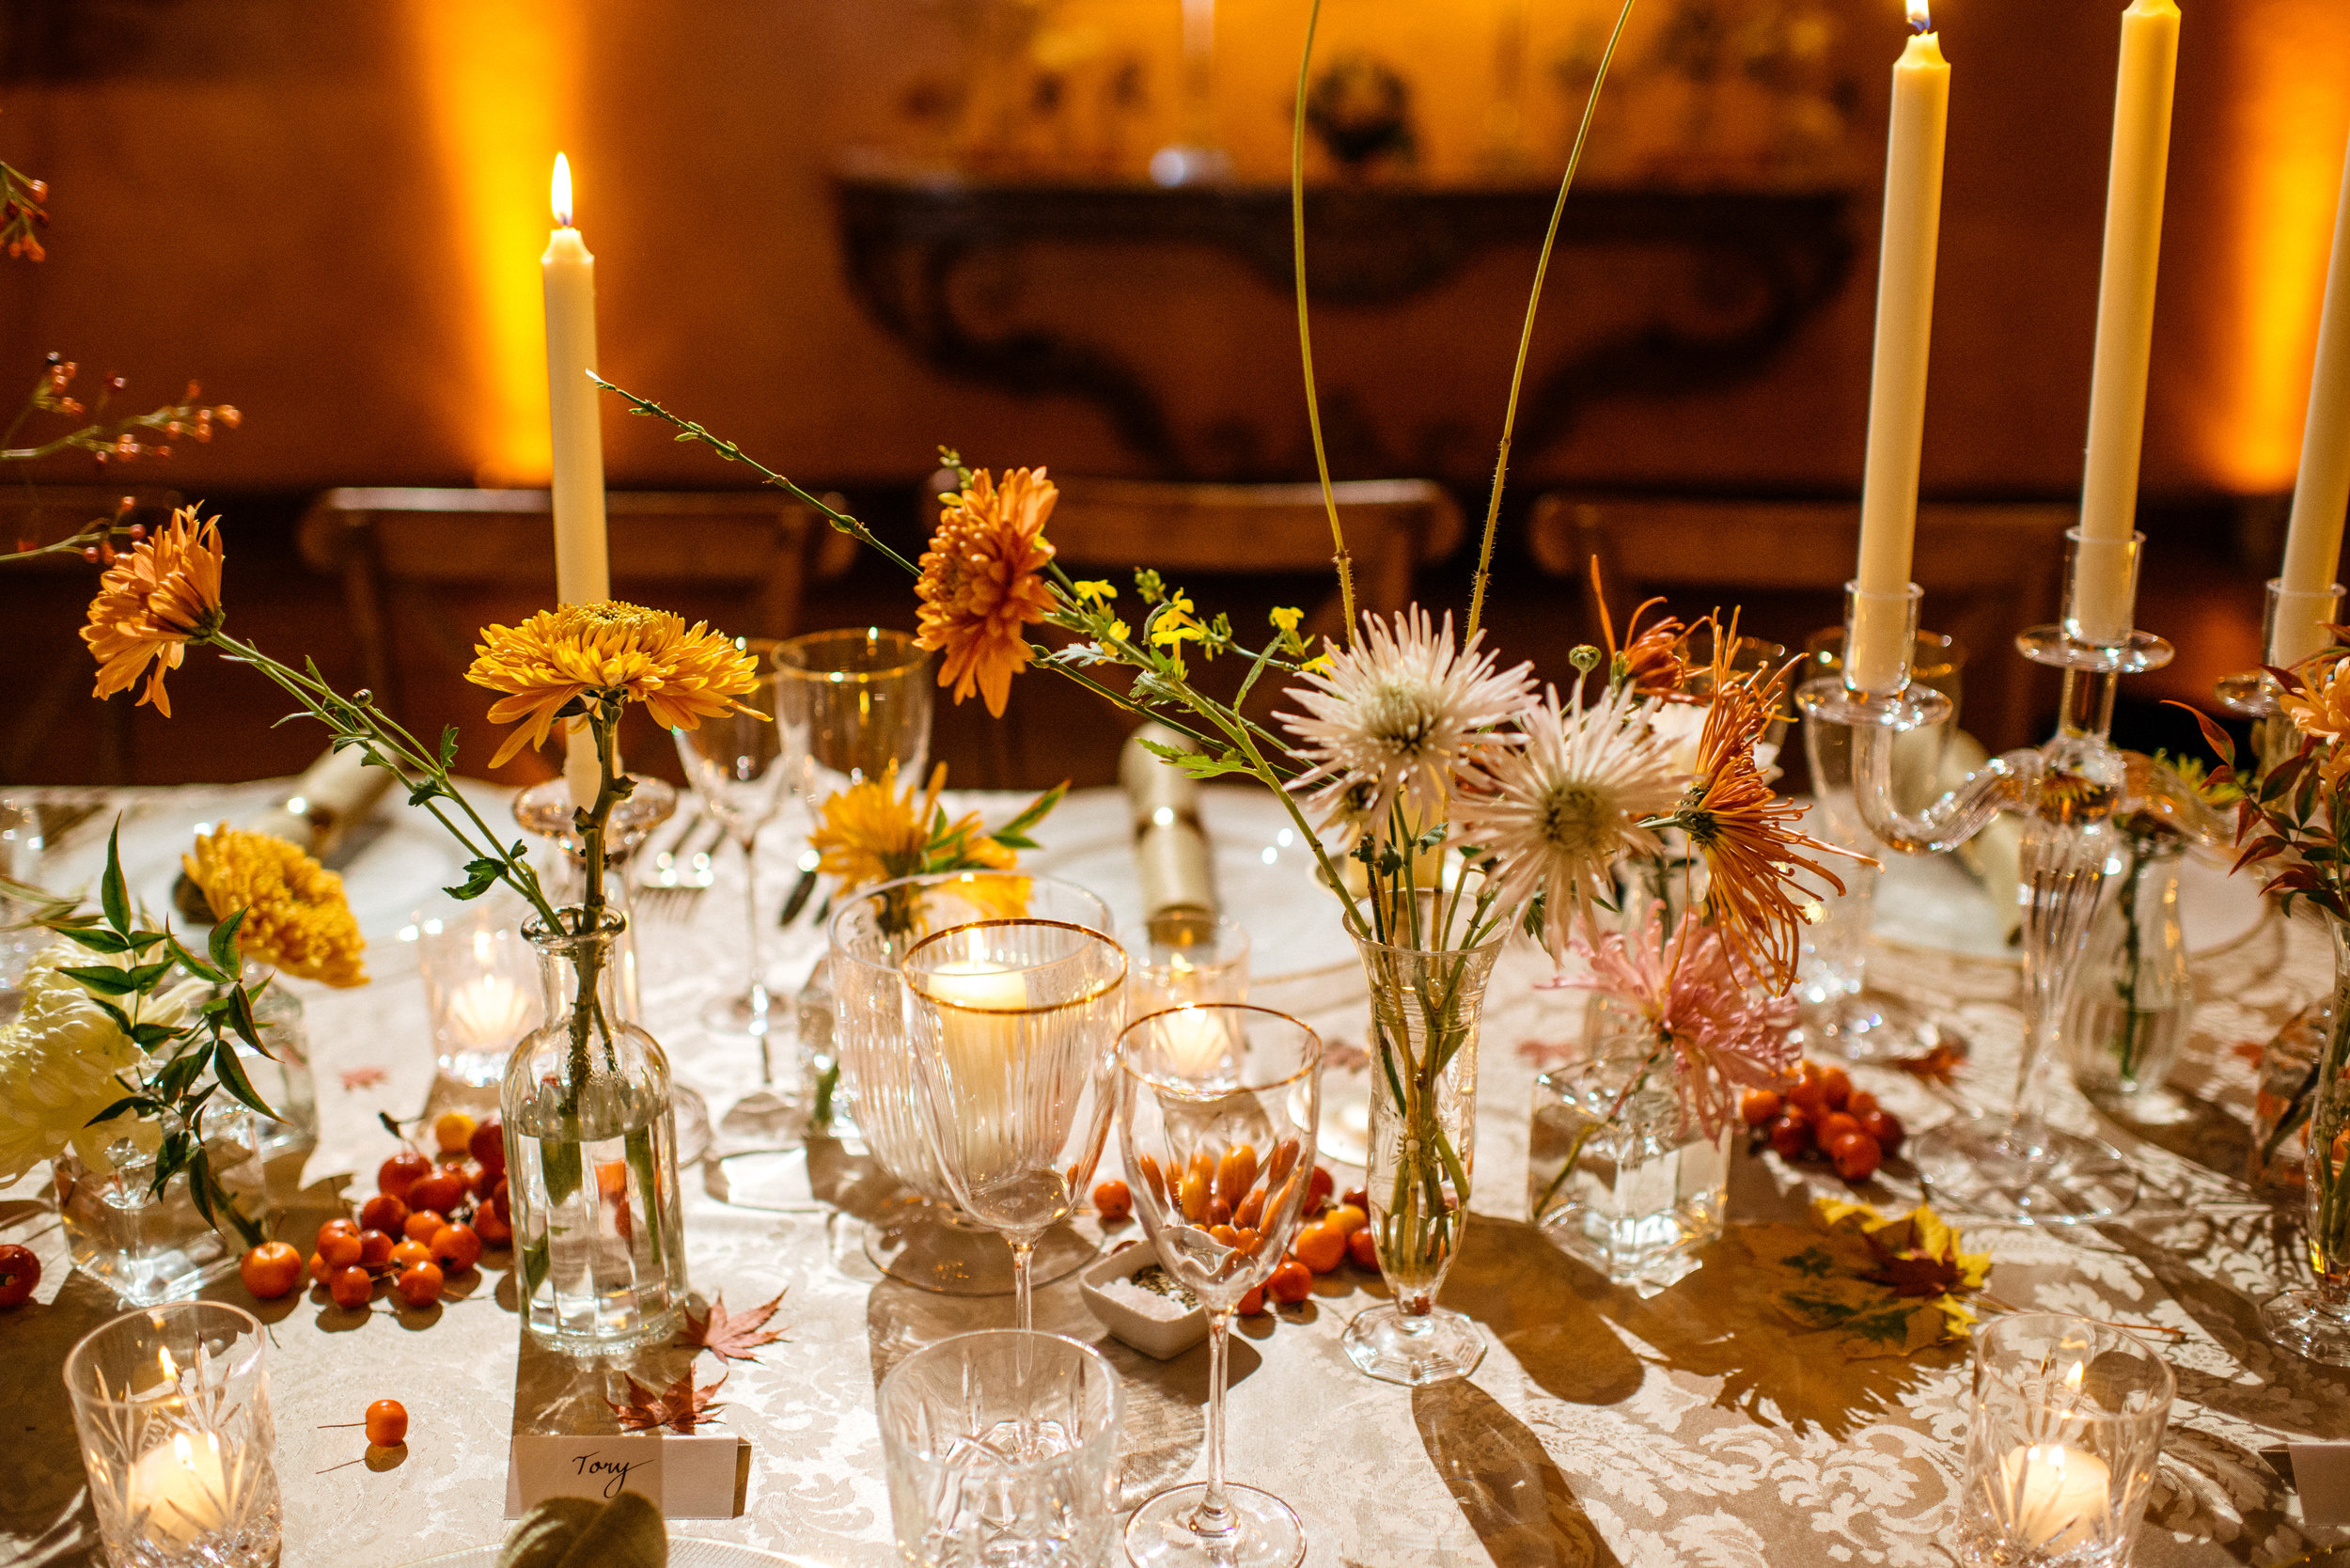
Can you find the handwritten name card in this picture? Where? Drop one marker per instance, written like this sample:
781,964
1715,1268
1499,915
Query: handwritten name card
690,1478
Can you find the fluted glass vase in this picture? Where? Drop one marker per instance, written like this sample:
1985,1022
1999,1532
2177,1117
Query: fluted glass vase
591,1156
2133,1004
2314,1320
1426,1005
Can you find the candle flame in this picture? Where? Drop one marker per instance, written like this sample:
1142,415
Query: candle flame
163,1357
562,188
2073,1378
183,1451
1920,18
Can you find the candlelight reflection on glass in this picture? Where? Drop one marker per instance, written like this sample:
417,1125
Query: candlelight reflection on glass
1014,1025
1189,959
172,1407
480,987
2061,1445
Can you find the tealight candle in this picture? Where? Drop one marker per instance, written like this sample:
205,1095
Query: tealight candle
180,1488
2059,1495
1193,1042
488,1012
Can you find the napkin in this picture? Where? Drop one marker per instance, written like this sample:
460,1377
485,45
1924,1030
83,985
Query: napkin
333,795
1170,846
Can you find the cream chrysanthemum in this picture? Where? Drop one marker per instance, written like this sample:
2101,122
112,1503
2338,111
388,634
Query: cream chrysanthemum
61,1059
1394,715
1556,811
557,658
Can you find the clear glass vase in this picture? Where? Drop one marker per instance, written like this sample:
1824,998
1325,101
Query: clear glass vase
591,1157
2134,1003
144,1246
2314,1320
2277,1164
1615,1174
1426,1006
282,1076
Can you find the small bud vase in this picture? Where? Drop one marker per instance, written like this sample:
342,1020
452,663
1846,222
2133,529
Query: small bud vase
591,1157
1426,1005
146,1246
2313,1321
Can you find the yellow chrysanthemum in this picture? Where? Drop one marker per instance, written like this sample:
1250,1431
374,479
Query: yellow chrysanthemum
151,601
295,917
980,585
559,657
868,833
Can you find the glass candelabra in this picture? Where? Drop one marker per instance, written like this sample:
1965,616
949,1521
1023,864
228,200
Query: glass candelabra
2013,1164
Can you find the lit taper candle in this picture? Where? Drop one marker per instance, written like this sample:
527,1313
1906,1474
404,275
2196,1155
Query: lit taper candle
1897,384
2313,540
2101,603
583,575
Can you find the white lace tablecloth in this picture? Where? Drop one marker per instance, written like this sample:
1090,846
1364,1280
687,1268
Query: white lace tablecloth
1602,1427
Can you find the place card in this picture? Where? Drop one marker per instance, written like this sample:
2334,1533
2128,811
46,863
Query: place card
2321,1473
691,1477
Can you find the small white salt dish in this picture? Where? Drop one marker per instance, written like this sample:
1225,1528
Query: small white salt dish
1162,1338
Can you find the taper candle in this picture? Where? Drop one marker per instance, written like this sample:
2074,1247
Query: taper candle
2322,495
2102,610
583,574
1897,384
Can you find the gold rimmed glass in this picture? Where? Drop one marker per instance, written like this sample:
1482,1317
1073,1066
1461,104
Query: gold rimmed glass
1014,1023
850,703
1217,1109
740,770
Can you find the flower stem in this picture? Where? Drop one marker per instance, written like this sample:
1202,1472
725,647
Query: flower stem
1339,558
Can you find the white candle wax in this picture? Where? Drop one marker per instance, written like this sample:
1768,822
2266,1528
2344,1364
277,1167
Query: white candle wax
489,1012
2102,590
1194,1043
2321,493
583,574
2053,1497
1897,381
980,1007
181,1488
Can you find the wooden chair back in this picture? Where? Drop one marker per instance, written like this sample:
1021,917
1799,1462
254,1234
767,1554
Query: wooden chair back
1989,570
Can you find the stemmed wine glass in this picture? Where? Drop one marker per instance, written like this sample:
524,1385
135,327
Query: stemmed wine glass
1217,1109
1014,1025
736,763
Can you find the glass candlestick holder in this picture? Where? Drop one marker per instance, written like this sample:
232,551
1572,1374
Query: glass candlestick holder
2290,623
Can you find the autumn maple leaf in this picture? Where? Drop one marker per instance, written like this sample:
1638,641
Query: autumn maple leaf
680,1406
1920,1274
732,1336
1936,1066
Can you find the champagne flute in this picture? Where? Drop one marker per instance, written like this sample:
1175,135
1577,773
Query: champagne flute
1014,1023
737,764
1217,1109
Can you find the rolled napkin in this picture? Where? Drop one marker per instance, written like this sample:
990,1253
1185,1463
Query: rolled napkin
334,794
1170,846
582,1532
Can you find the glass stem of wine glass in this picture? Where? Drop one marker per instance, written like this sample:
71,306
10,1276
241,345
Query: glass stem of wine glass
1023,1254
1214,1516
758,991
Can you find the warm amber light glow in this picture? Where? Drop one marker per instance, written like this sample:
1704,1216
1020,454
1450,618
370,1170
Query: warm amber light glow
1921,18
562,192
493,74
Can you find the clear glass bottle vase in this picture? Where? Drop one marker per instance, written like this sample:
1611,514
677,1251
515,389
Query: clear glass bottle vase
591,1156
1426,1006
2314,1320
2133,1004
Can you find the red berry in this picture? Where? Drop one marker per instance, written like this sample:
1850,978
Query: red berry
20,1271
455,1247
1884,1126
1790,1134
394,1176
1759,1105
375,1249
320,1270
438,1192
350,1287
388,1423
1291,1282
1835,1124
337,1228
271,1270
341,1249
1363,1247
419,1286
1835,1082
384,1212
501,1203
423,1225
1318,1186
490,1227
1857,1156
1357,1198
408,1254
1253,1303
1860,1102
1113,1201
487,1147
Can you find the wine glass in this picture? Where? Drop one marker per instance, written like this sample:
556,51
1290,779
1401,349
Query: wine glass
920,1236
736,763
1014,1027
1217,1109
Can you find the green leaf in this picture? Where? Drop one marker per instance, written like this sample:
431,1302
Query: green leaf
178,1075
534,1256
480,874
99,940
146,1037
1013,832
142,1104
113,896
223,945
231,1071
122,1019
560,1169
107,982
241,1019
449,745
637,1149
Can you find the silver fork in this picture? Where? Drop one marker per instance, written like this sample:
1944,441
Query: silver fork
683,872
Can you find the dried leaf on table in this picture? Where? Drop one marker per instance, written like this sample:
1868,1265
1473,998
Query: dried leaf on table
1883,1286
680,1406
357,1079
732,1336
1936,1066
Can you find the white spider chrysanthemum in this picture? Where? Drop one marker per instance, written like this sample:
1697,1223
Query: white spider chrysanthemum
63,1060
1393,716
1556,811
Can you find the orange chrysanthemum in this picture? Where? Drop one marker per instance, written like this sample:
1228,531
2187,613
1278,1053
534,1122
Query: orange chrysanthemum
980,588
1746,831
152,601
1652,662
560,657
870,833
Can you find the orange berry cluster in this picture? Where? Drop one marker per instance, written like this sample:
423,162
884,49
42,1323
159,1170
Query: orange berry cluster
1820,1113
427,1222
1329,1235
